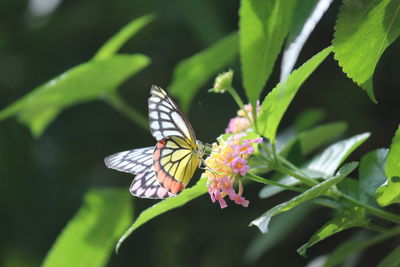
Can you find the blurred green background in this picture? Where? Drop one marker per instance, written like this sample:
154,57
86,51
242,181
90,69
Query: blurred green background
43,180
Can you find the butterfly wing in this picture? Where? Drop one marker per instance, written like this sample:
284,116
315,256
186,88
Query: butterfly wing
139,162
175,158
146,185
166,169
166,119
133,161
174,163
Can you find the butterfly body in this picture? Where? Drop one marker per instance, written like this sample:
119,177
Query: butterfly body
166,169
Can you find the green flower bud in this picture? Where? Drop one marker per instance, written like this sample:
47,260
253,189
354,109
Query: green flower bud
223,82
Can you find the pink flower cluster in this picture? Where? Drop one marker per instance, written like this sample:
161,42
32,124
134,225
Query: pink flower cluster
241,123
226,165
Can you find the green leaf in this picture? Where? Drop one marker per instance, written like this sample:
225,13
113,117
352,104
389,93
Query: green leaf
308,141
262,222
372,172
391,260
303,11
307,15
89,237
325,164
309,118
346,219
312,139
364,29
83,83
165,205
263,27
120,38
282,227
192,73
392,167
389,192
322,165
278,100
351,188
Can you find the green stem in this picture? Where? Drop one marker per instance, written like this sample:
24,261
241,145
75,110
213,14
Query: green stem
262,180
239,102
266,149
378,228
370,209
288,163
114,100
274,154
304,179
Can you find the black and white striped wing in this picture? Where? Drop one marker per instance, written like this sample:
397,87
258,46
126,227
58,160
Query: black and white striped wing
139,162
133,161
165,117
146,185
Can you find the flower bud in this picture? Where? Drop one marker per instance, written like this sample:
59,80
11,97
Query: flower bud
223,82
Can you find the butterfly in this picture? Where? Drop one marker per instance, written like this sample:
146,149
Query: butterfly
165,169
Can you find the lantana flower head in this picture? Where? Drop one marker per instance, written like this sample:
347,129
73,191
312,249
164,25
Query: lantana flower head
240,123
226,165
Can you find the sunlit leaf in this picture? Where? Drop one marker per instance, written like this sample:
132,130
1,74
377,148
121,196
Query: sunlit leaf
120,38
262,222
322,165
263,27
389,192
391,260
165,205
89,237
344,220
364,29
192,73
307,15
85,82
372,172
392,167
277,101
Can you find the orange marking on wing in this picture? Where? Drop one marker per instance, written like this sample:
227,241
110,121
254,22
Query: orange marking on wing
167,182
156,160
161,176
176,187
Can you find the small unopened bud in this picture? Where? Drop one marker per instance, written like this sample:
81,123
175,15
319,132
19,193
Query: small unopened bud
223,82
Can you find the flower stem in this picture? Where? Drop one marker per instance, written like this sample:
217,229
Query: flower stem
370,209
295,174
114,100
262,180
288,164
274,154
266,149
239,102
